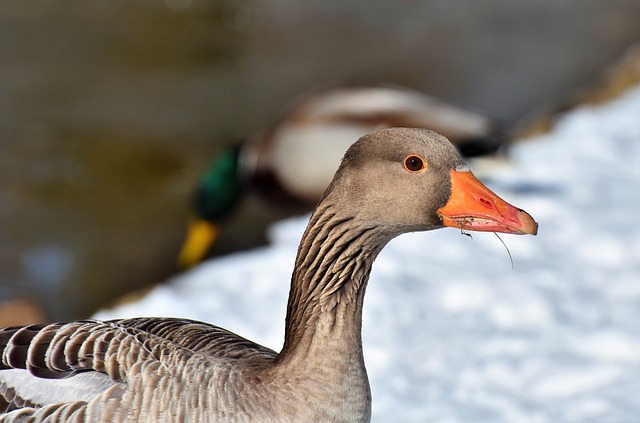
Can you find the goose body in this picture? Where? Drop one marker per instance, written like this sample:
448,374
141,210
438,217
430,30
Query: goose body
166,370
291,164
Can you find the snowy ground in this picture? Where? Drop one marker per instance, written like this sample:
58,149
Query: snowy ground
451,332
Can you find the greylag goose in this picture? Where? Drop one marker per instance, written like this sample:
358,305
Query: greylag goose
292,163
166,370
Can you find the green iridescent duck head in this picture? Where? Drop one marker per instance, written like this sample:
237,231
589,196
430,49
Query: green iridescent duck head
217,195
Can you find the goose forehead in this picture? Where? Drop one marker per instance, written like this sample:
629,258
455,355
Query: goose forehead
433,147
403,140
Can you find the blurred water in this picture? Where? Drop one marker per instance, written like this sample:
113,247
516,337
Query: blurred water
109,110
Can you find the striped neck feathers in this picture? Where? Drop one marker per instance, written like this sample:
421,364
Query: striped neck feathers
332,269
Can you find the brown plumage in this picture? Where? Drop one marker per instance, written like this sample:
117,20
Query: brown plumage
167,370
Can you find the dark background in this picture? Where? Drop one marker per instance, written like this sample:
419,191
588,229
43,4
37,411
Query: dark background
109,110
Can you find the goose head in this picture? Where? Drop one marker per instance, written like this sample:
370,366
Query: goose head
407,180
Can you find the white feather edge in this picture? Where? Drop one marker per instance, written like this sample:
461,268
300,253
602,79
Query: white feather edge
79,387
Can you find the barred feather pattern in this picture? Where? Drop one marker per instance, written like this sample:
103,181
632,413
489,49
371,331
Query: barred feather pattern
168,370
332,266
161,368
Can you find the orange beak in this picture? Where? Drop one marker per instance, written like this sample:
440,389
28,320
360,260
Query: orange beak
475,207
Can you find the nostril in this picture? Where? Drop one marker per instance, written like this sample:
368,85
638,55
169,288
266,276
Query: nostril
487,203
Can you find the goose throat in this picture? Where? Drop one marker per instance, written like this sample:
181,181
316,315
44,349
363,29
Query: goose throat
332,269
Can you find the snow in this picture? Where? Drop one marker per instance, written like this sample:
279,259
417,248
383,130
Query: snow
453,333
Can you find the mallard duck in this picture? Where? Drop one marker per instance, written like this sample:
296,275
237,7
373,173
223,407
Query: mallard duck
292,163
166,370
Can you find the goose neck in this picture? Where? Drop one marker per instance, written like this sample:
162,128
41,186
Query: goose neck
324,313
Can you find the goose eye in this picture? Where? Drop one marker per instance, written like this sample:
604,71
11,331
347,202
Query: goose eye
414,163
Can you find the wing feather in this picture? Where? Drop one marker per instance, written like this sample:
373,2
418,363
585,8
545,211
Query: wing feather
68,364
